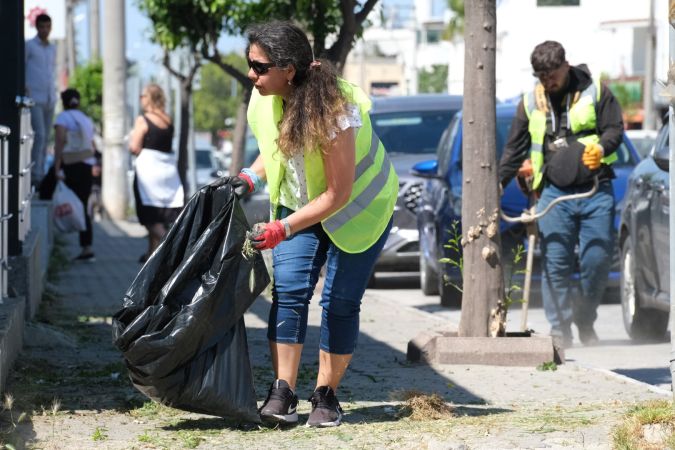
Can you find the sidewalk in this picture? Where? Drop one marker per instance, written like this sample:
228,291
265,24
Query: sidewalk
73,361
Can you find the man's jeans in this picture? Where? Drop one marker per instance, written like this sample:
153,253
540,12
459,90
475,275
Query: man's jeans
588,223
297,262
41,116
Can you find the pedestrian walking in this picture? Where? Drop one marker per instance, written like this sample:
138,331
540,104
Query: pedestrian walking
75,159
40,69
158,190
332,193
569,127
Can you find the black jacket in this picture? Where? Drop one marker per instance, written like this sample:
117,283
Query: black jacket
609,126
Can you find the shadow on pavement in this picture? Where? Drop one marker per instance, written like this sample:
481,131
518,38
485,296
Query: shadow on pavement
88,374
650,375
378,372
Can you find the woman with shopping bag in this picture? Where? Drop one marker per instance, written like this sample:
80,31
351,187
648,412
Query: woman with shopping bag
74,159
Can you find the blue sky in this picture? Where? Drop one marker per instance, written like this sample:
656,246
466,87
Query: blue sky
139,48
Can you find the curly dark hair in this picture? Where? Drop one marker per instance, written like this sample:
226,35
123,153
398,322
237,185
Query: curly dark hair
547,56
312,111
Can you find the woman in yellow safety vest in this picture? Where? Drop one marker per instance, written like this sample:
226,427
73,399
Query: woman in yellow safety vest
332,194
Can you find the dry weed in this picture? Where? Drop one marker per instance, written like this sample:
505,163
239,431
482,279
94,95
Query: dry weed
419,405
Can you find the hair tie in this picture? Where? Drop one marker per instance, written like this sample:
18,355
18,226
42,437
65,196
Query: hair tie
314,64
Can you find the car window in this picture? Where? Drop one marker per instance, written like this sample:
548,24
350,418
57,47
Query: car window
412,132
623,155
444,152
503,126
203,158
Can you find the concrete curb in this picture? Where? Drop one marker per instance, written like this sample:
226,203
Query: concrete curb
448,348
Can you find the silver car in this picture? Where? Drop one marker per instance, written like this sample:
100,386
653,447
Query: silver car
410,128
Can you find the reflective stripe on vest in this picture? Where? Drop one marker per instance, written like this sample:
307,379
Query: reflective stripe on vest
581,117
365,197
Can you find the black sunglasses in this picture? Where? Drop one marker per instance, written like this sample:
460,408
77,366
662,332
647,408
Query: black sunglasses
260,68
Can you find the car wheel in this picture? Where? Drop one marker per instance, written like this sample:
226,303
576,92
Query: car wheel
451,297
640,323
428,278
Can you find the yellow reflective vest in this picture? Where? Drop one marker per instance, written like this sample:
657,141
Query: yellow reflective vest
361,222
581,117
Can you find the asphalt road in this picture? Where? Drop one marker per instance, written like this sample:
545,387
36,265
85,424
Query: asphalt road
616,353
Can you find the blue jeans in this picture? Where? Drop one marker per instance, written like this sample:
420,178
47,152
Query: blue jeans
589,223
297,261
41,116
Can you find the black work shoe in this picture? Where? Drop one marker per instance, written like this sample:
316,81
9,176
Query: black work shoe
280,405
588,337
326,410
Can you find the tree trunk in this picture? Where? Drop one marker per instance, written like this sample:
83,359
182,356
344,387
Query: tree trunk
239,134
483,310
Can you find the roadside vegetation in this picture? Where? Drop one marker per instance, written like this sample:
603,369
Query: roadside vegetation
647,426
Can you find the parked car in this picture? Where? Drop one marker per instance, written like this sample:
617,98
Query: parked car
410,128
256,206
206,164
643,141
440,206
644,239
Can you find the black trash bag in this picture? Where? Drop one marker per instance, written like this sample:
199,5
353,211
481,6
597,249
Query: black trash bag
181,327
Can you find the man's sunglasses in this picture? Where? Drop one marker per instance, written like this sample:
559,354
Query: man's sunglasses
260,68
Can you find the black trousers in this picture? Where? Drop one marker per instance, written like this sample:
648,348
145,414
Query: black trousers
80,180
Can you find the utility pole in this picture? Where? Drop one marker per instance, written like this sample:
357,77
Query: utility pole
70,40
649,120
94,30
115,157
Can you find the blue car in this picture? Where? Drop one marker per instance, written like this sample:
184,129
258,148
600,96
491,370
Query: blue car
440,208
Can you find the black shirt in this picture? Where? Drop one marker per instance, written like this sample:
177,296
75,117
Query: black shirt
160,139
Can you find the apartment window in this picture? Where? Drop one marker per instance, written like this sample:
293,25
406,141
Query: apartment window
558,2
434,36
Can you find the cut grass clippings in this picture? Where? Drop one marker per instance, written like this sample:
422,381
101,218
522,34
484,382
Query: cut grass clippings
420,406
647,426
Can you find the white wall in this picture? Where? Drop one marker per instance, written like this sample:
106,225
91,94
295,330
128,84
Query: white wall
598,33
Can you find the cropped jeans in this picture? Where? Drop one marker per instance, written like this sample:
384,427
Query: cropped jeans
589,223
297,262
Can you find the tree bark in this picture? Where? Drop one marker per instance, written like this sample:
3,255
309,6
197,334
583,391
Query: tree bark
483,310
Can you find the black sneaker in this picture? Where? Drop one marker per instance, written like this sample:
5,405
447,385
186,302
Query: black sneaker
326,410
280,405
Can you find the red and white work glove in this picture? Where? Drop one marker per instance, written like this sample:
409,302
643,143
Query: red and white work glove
268,235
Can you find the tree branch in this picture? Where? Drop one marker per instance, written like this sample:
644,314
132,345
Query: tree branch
363,14
167,63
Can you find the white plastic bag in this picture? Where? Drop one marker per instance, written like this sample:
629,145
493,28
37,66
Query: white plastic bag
68,210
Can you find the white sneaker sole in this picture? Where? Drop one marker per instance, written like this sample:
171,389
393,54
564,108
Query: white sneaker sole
335,423
280,418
